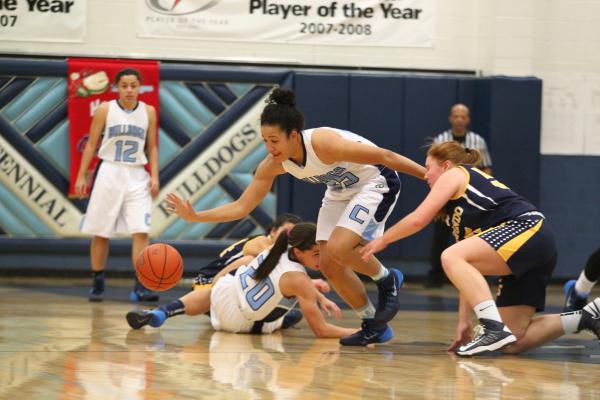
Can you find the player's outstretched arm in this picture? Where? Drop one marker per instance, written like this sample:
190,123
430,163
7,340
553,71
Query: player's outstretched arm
331,147
266,173
299,285
450,183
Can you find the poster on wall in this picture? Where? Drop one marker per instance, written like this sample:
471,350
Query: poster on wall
393,23
90,82
43,20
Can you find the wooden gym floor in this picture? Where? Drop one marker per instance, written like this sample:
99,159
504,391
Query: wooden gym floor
54,344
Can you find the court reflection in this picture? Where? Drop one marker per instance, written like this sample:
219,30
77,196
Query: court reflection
508,377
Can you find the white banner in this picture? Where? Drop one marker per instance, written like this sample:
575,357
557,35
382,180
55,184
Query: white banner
43,20
393,23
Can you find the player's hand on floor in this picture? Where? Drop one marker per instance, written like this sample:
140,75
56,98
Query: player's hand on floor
330,308
184,209
463,335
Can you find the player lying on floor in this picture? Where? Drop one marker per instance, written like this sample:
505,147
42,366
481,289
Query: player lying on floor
249,246
258,295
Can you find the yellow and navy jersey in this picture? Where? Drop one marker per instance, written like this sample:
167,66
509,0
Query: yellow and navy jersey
483,203
226,257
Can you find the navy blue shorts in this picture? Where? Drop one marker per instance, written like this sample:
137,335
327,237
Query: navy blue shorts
526,243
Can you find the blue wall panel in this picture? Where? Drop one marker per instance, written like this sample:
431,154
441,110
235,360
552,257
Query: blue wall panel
515,114
570,199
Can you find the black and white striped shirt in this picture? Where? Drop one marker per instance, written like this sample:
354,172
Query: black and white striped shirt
472,141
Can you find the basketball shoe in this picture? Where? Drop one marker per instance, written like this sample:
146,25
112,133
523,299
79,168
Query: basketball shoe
573,301
491,336
291,318
388,302
139,318
97,290
590,317
371,332
140,293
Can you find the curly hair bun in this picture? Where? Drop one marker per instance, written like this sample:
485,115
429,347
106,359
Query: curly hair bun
283,97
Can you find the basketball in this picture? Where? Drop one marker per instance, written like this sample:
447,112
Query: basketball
159,267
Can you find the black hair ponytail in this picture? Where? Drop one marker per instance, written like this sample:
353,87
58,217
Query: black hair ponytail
302,236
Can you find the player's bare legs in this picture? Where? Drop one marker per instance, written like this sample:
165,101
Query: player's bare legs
139,241
340,261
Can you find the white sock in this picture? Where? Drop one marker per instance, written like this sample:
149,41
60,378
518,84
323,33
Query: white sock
488,310
382,273
367,311
583,286
570,321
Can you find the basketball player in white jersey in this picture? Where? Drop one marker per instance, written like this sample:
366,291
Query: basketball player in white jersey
121,197
261,294
362,188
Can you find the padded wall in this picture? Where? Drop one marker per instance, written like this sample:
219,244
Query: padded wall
569,195
513,128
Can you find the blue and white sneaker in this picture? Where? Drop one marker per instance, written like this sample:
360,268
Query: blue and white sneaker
140,293
137,319
371,332
389,300
573,302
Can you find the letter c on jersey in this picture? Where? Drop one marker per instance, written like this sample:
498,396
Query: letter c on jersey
354,213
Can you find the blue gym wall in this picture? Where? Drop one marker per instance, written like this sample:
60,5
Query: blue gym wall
399,111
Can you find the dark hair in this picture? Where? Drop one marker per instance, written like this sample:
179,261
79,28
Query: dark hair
128,71
281,111
302,236
455,152
283,219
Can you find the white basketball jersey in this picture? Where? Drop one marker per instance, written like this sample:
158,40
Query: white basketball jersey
257,299
124,137
339,176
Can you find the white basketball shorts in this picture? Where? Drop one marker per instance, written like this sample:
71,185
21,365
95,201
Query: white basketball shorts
225,314
120,202
365,213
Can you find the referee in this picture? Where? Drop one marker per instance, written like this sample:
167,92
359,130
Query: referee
459,132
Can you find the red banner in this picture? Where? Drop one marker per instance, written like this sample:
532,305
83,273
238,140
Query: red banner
90,82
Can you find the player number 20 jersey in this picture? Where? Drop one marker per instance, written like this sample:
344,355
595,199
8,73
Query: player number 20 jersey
258,299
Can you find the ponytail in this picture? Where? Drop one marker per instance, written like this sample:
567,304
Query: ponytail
302,236
455,152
